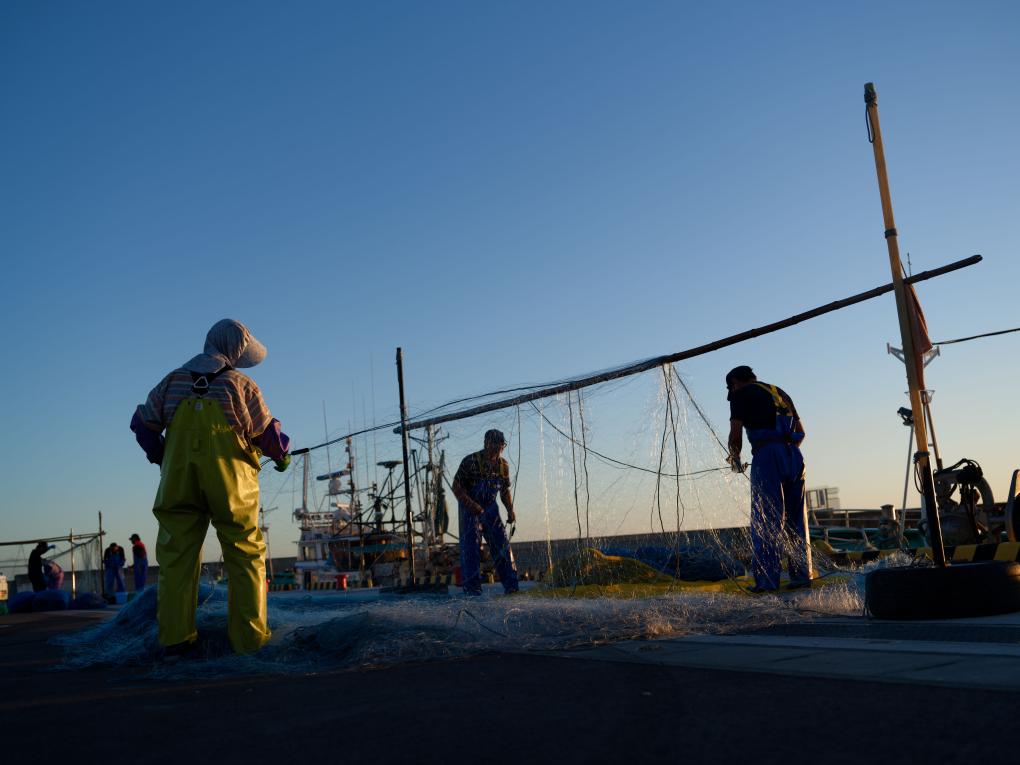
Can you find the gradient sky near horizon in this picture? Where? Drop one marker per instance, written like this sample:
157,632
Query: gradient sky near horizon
513,193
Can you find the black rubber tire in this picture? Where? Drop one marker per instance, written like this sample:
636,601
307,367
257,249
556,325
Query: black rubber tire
960,590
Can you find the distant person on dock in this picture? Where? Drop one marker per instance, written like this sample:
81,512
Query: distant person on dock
35,566
481,477
217,427
139,562
778,514
113,566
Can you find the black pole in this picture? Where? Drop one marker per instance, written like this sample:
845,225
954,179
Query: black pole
672,358
407,472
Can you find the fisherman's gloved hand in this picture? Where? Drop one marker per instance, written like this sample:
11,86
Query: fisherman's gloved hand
283,464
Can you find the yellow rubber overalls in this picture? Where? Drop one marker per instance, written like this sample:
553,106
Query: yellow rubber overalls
209,474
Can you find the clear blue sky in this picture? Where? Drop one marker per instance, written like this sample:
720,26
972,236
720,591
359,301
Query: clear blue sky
511,192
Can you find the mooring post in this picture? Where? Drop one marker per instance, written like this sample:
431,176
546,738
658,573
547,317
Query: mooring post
922,458
407,472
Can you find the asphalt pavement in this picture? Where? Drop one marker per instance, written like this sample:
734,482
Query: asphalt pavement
830,691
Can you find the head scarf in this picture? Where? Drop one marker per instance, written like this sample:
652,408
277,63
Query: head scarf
228,343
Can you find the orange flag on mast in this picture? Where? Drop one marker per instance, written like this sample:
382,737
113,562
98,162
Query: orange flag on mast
918,332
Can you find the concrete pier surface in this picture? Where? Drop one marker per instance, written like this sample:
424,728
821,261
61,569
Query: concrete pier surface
832,691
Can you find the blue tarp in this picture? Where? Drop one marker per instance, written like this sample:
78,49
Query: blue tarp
21,603
88,600
51,600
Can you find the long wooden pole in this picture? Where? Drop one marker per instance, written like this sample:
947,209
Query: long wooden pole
921,457
407,472
658,361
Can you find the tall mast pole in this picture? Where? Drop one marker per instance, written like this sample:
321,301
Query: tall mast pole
407,470
102,572
430,486
355,509
305,478
921,457
74,573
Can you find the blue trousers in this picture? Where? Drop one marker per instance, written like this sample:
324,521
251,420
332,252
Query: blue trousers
141,571
472,529
778,514
115,580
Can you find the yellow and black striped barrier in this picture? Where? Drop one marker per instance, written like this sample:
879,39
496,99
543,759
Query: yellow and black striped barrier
434,579
1003,551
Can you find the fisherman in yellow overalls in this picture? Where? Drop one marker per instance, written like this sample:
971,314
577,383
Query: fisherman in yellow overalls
217,426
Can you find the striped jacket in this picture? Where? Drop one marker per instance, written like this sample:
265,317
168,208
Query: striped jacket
238,396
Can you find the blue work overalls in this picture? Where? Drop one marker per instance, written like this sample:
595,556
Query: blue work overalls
114,568
778,514
489,524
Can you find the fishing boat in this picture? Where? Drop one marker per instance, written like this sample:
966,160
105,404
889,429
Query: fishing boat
347,542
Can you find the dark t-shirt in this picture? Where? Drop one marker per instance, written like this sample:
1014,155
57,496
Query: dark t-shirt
35,566
138,554
754,407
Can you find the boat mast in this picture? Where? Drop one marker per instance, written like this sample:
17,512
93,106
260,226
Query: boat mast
407,472
355,509
430,487
305,477
921,457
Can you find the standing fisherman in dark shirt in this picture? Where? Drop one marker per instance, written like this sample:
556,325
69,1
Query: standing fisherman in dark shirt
35,567
113,565
778,514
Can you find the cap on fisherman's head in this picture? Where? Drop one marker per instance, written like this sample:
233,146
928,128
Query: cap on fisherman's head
232,340
495,437
135,538
228,343
741,374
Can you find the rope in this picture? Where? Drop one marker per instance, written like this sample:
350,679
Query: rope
621,463
671,394
584,464
573,461
976,337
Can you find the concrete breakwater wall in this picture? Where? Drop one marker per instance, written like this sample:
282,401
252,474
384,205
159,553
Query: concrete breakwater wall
534,556
531,556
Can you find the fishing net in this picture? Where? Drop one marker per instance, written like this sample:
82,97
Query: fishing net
630,526
316,632
628,468
617,482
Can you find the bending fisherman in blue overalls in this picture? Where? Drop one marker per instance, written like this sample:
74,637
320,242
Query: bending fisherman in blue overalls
480,478
778,515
